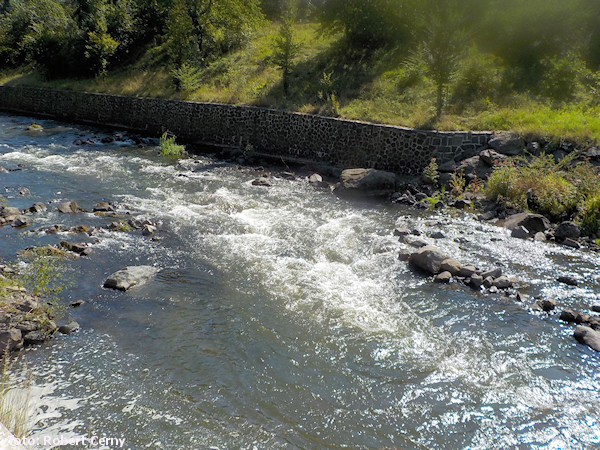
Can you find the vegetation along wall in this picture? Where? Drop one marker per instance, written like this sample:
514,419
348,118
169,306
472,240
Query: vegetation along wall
343,143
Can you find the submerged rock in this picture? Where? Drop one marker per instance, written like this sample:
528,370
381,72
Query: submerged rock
569,281
129,277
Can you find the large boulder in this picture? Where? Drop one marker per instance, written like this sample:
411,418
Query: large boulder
567,230
129,277
534,223
428,259
588,336
367,181
507,143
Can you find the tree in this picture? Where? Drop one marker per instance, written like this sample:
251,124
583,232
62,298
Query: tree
286,47
367,23
201,29
442,46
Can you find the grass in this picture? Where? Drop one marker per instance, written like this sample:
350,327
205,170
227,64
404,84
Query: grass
168,147
379,86
14,400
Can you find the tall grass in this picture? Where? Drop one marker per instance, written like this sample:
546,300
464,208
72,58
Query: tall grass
15,396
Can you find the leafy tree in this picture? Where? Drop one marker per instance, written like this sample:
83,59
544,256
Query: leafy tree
442,45
201,29
286,47
367,23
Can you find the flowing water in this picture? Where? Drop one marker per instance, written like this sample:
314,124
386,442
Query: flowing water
282,317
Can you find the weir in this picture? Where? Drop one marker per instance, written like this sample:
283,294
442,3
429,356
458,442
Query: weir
281,134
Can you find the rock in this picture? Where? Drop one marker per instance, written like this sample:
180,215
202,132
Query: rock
68,208
520,232
404,255
73,247
570,281
588,336
129,277
494,273
26,326
428,259
533,222
9,211
401,232
262,183
437,235
502,283
23,192
490,157
20,222
10,340
467,271
37,207
69,328
592,154
76,303
488,282
474,167
540,237
571,243
571,316
103,207
547,305
567,230
35,337
462,204
54,229
413,241
317,180
488,215
3,170
507,143
367,181
80,229
475,281
452,266
596,308
443,277
148,230
28,305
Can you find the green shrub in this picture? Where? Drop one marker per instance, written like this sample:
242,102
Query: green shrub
543,185
186,78
589,219
431,173
168,147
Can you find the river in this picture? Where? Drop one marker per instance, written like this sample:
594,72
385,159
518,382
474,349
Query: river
282,318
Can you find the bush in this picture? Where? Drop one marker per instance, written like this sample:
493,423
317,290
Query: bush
543,185
186,78
168,147
589,219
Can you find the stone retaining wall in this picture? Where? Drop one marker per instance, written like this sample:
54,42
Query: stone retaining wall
343,143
